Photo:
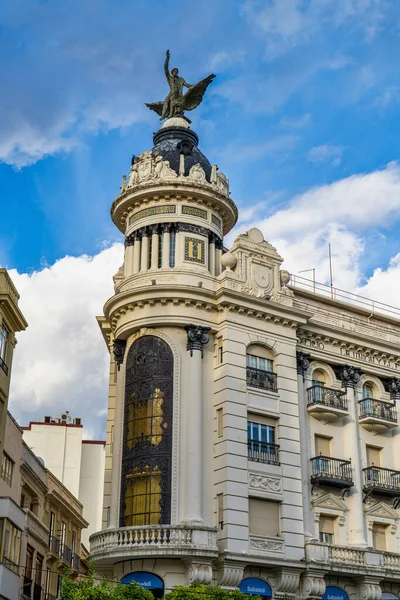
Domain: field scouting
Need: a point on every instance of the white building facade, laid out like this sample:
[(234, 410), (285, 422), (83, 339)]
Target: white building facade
[(77, 463), (252, 435)]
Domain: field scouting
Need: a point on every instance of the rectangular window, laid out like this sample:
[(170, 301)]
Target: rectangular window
[(220, 510), (73, 543), (379, 537), (373, 456), (4, 338), (52, 523), (322, 446), (27, 584), (261, 443), (47, 586), (264, 517), (160, 250), (11, 544), (257, 432), (38, 569), (63, 537), (326, 529), (7, 468), (220, 422), (257, 362), (220, 351)]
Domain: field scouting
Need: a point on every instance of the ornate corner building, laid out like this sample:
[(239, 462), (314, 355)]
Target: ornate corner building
[(252, 436)]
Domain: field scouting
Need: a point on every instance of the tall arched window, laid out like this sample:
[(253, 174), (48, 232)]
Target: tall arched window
[(147, 449)]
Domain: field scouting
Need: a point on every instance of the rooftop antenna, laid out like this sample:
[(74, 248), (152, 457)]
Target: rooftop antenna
[(330, 270), (313, 276)]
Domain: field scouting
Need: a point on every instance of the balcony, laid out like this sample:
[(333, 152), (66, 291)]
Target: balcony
[(54, 545), (333, 472), (27, 587), (377, 416), (262, 380), (76, 562), (384, 482), (263, 453), (113, 545), (326, 404)]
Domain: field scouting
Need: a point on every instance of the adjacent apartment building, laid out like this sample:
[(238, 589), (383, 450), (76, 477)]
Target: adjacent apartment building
[(253, 437), (77, 463)]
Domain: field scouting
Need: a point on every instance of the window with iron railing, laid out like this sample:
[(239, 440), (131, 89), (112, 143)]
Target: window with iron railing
[(318, 393), (259, 372), (377, 409), (261, 443)]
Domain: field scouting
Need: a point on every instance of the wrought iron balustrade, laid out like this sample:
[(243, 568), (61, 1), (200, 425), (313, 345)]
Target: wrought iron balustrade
[(76, 562), (3, 366), (54, 545), (27, 586), (331, 471), (319, 394), (380, 410), (66, 554), (382, 481), (263, 380), (263, 452)]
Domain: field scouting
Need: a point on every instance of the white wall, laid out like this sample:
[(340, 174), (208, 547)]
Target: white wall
[(91, 486)]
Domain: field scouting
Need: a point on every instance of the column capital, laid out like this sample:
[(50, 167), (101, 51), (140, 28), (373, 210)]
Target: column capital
[(137, 235), (130, 240), (154, 228), (166, 227), (119, 351), (197, 337), (349, 375), (212, 237), (303, 362), (218, 243)]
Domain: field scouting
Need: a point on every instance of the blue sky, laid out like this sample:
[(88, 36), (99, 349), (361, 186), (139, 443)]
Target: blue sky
[(303, 118)]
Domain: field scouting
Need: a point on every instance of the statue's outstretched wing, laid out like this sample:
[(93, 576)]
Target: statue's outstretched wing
[(195, 94), (156, 106)]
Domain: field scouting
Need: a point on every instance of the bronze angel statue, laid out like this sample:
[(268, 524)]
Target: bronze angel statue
[(177, 102)]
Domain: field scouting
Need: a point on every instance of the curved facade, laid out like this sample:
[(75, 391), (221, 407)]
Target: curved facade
[(237, 398)]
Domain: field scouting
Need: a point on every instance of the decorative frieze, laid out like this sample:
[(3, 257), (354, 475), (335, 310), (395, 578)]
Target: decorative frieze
[(265, 483), (266, 544), (151, 212), (194, 212)]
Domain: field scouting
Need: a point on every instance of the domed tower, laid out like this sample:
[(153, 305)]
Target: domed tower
[(176, 503)]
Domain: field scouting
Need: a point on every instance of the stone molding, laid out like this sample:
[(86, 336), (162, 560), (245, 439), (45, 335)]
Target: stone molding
[(287, 583), (230, 574), (266, 544), (312, 585)]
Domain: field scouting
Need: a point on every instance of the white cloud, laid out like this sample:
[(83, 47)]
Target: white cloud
[(326, 154), (61, 360)]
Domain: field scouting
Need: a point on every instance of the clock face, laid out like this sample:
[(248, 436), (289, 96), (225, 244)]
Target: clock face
[(262, 276)]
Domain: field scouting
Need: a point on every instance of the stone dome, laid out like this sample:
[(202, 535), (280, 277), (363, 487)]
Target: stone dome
[(171, 142)]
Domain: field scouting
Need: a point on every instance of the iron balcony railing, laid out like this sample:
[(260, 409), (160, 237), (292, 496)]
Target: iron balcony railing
[(263, 380), (383, 481), (27, 586), (54, 545), (331, 471), (76, 562), (263, 452), (66, 554), (3, 366), (380, 410), (319, 394), (37, 592)]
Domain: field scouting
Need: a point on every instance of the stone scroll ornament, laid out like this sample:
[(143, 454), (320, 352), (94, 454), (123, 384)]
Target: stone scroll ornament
[(177, 102)]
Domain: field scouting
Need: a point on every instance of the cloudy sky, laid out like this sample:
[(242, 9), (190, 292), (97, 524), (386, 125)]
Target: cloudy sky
[(303, 117)]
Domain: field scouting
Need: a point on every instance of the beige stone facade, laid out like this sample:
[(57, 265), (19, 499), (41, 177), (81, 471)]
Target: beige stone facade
[(237, 398)]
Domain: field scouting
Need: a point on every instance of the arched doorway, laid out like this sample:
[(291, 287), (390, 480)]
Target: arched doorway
[(148, 581), (147, 444)]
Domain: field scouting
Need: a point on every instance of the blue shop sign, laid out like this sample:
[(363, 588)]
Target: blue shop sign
[(255, 587), (389, 596), (334, 593), (146, 580)]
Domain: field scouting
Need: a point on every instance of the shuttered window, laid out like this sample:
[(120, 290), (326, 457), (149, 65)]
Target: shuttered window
[(373, 456), (322, 445), (326, 529), (379, 536), (264, 517)]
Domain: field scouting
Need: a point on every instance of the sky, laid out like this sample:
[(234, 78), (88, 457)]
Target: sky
[(303, 117)]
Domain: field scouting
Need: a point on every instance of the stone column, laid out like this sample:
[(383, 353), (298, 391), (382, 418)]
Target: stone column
[(128, 262), (119, 347), (218, 254), (136, 254), (166, 240), (303, 362), (154, 246), (211, 254), (144, 257), (350, 376), (197, 337)]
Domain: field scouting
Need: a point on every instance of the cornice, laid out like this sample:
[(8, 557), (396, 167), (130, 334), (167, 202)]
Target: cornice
[(14, 317), (177, 191)]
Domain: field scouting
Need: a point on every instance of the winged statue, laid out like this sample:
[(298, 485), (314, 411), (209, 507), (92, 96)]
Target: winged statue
[(177, 102)]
